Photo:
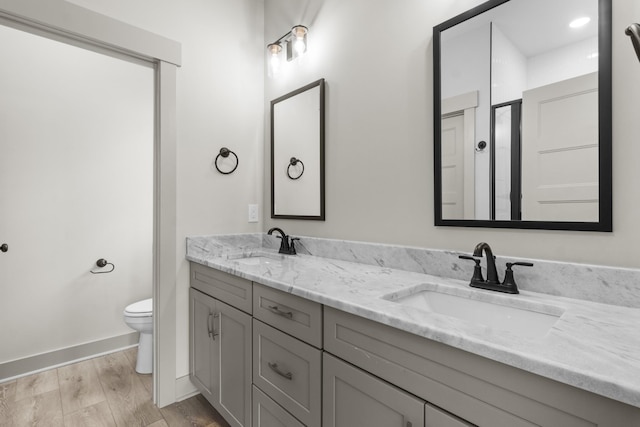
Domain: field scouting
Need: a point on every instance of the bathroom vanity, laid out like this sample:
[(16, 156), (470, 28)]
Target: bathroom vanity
[(280, 340)]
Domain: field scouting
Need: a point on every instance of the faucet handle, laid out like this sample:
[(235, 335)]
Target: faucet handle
[(509, 280), (472, 258), (523, 264), (292, 245), (477, 270)]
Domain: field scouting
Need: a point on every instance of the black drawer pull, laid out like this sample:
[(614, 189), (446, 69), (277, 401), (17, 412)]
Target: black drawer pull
[(276, 310), (274, 368)]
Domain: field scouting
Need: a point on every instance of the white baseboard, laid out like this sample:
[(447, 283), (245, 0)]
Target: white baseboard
[(185, 388), (65, 356)]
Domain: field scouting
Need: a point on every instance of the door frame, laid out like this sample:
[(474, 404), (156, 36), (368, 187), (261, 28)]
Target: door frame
[(516, 159), (73, 24)]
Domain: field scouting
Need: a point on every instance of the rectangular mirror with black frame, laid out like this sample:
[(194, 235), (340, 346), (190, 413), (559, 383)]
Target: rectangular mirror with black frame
[(297, 154), (522, 116)]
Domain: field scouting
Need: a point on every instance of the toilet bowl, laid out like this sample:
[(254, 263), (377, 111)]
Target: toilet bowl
[(139, 316)]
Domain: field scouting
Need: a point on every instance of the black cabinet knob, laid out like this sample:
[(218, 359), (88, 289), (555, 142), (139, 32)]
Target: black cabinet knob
[(4, 247)]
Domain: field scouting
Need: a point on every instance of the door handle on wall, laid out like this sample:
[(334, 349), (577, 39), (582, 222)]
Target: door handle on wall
[(4, 247)]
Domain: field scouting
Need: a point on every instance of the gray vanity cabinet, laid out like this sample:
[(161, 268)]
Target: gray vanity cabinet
[(482, 392), (270, 370), (220, 341)]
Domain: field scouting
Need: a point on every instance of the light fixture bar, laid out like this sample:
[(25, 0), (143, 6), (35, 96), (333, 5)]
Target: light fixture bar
[(287, 34), (296, 40)]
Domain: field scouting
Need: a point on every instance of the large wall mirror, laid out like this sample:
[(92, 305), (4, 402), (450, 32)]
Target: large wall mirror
[(297, 154), (522, 116)]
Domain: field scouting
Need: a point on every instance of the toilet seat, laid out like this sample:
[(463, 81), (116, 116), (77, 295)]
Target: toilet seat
[(142, 308)]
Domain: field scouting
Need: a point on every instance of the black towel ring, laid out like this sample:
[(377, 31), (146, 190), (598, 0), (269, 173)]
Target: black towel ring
[(103, 263), (294, 162), (224, 152)]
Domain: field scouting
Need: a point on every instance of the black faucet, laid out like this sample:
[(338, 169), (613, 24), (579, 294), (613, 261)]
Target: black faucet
[(287, 245), (492, 283), (492, 273)]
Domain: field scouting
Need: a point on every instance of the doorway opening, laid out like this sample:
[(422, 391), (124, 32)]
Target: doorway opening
[(81, 27)]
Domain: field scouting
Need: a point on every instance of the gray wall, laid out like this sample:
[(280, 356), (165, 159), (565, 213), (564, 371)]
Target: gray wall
[(377, 59)]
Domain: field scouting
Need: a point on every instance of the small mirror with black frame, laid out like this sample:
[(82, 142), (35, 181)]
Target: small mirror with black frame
[(522, 116), (297, 154)]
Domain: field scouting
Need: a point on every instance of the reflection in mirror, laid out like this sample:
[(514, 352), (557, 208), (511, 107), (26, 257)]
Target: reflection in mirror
[(506, 167), (297, 154), (521, 75)]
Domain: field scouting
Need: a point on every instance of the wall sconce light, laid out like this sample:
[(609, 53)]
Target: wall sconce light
[(274, 50), (296, 45)]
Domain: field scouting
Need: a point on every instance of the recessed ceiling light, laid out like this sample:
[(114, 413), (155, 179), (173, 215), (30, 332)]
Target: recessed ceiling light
[(577, 23)]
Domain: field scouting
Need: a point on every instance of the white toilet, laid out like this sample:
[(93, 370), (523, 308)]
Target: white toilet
[(139, 316)]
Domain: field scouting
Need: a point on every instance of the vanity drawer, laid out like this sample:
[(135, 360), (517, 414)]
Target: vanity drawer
[(481, 391), (288, 371), (225, 287), (291, 314), (267, 413)]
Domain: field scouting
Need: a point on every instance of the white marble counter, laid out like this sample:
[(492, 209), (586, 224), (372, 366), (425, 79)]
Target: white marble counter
[(592, 346)]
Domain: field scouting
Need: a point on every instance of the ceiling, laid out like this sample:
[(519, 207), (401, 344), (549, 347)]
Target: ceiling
[(536, 26)]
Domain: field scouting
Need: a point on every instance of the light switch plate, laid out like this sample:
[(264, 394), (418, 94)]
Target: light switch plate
[(253, 213)]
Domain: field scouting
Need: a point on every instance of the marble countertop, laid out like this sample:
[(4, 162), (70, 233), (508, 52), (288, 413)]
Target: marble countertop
[(592, 346)]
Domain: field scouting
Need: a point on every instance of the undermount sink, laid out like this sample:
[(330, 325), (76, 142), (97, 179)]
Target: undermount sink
[(506, 313), (256, 258)]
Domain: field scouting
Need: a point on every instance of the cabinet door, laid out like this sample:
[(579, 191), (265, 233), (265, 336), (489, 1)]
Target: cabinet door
[(353, 398), (220, 368), (232, 364), (201, 312)]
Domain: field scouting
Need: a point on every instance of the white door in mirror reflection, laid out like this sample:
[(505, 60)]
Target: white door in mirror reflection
[(457, 157), (453, 167), (560, 143)]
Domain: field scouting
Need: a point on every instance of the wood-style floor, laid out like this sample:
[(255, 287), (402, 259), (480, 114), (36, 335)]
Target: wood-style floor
[(105, 391)]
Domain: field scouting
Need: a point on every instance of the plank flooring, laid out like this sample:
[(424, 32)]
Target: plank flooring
[(101, 392)]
